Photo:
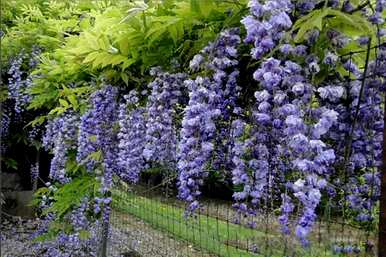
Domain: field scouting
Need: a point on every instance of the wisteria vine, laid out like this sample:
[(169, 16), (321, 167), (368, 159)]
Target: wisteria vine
[(304, 131)]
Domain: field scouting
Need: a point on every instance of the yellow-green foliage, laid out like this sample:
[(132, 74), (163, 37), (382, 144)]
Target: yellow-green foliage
[(120, 42)]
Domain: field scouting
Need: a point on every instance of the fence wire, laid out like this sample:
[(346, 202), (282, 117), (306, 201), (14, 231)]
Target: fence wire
[(150, 221)]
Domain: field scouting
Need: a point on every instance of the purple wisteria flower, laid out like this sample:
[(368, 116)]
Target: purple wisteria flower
[(97, 140), (161, 135), (265, 25), (131, 136), (59, 138), (34, 172), (208, 101), (20, 80), (285, 143)]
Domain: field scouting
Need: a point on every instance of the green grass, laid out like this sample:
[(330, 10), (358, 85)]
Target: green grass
[(208, 233)]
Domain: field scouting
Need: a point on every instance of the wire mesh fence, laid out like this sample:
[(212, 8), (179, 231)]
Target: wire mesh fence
[(150, 221)]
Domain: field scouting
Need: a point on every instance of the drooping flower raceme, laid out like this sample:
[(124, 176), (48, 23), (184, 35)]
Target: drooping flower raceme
[(196, 146), (287, 132), (97, 143), (241, 168), (131, 136), (17, 83), (161, 139), (20, 79), (97, 140), (34, 172), (4, 129), (265, 25), (59, 138), (204, 109)]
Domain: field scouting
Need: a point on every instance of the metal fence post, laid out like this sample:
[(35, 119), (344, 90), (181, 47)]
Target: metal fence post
[(105, 227), (1, 113), (105, 232), (382, 203)]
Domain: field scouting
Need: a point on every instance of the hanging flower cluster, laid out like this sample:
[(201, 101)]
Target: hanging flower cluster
[(97, 143), (34, 171), (266, 25), (96, 149), (205, 108), (78, 216), (309, 117), (161, 139), (96, 138), (4, 128), (131, 136), (16, 82), (59, 138), (19, 80), (311, 128)]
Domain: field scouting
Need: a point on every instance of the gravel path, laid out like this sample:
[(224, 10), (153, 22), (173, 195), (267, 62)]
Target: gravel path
[(145, 241), (130, 237), (16, 236)]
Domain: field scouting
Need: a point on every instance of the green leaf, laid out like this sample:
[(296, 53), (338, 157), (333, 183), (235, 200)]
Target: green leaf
[(117, 59), (57, 111), (206, 7), (103, 42), (91, 40), (195, 6), (84, 234), (311, 21), (74, 102), (173, 34), (155, 32), (97, 156), (10, 163), (64, 103), (343, 72), (71, 194), (351, 24), (304, 19), (141, 6), (37, 121), (101, 60), (84, 24), (128, 63), (125, 78), (91, 57), (93, 138), (124, 47)]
